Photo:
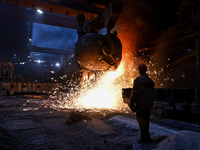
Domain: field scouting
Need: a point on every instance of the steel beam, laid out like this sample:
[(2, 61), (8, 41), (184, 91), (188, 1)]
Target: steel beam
[(28, 14), (69, 7), (48, 50)]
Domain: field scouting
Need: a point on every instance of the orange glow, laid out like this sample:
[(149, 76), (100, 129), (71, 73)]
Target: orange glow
[(107, 91), (106, 94)]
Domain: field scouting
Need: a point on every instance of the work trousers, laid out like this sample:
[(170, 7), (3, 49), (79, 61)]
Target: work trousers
[(143, 121)]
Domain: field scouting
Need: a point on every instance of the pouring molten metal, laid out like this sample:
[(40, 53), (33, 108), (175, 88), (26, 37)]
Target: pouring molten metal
[(106, 94)]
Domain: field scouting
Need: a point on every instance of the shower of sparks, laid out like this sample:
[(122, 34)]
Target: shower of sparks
[(105, 94)]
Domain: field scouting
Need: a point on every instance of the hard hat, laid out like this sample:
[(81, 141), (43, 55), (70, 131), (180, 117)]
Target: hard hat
[(142, 68)]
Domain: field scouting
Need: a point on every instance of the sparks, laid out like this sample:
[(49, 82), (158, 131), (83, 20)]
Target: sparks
[(106, 94)]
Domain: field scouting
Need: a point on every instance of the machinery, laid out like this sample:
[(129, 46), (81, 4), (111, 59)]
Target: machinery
[(12, 84), (6, 70), (171, 99), (94, 51)]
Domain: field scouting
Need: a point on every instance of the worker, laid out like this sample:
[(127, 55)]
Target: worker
[(141, 102)]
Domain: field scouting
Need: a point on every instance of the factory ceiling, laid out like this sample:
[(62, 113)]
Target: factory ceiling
[(55, 12), (63, 13)]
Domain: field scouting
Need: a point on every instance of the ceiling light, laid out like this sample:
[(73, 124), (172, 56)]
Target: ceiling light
[(39, 11), (57, 64)]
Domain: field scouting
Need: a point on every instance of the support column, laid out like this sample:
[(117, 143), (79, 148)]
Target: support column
[(197, 38)]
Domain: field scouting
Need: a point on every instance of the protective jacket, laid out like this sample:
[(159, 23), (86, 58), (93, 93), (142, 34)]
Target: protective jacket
[(143, 92)]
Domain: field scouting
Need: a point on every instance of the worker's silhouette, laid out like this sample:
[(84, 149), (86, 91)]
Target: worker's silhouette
[(142, 102)]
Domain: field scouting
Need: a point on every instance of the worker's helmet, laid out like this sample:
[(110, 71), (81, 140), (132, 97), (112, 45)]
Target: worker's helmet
[(142, 68)]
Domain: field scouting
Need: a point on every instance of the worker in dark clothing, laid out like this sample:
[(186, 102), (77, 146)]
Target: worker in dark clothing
[(142, 102)]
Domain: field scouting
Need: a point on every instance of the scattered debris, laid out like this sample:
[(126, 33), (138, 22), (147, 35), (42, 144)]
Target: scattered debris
[(99, 127), (76, 117)]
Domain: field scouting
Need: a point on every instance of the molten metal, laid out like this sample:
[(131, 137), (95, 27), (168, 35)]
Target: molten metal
[(106, 94)]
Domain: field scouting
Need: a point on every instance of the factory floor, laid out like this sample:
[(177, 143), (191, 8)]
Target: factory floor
[(25, 125)]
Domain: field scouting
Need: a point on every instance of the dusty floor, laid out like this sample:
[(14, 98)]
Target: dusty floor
[(25, 125)]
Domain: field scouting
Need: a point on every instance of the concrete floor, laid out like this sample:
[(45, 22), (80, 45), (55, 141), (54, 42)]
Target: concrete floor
[(28, 125)]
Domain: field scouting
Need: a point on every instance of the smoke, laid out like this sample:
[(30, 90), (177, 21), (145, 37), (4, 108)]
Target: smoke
[(134, 28), (53, 37), (139, 24), (135, 24)]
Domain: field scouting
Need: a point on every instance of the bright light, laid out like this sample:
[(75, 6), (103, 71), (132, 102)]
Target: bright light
[(39, 61), (30, 39), (39, 11), (22, 63), (57, 64), (98, 98), (105, 94)]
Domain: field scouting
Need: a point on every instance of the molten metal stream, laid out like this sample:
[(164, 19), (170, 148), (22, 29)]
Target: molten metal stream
[(106, 94)]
